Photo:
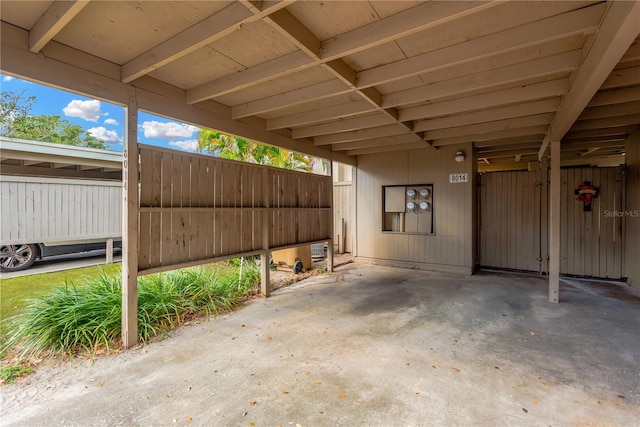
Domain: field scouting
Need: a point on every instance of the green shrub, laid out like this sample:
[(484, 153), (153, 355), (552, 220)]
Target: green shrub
[(72, 319), (9, 373)]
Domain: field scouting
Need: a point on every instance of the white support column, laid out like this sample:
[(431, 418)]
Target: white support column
[(554, 224), (109, 251), (130, 227)]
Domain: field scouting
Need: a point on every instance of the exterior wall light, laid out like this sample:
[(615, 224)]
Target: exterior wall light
[(460, 156)]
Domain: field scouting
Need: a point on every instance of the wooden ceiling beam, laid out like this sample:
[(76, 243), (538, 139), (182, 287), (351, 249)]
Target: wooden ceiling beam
[(611, 111), (496, 126), (59, 14), (489, 136), (511, 74), (402, 24), (609, 131), (581, 21), (283, 65), (608, 122), (503, 143), (617, 32), (289, 99), (357, 135), (320, 115), (615, 96), (375, 142), (204, 32), (342, 126), (388, 148), (488, 115), (534, 92), (622, 78)]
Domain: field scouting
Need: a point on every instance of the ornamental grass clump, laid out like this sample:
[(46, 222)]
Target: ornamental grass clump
[(73, 319)]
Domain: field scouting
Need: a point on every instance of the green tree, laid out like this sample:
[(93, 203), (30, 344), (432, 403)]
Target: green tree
[(17, 122), (236, 148)]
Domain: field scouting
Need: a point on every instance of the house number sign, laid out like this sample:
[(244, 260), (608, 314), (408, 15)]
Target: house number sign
[(455, 178)]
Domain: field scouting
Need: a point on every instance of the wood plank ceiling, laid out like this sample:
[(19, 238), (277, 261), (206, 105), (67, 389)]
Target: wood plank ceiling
[(346, 78)]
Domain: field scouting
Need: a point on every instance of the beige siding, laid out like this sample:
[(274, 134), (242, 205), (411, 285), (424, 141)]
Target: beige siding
[(37, 210), (196, 209), (510, 220), (450, 248), (632, 210), (342, 213)]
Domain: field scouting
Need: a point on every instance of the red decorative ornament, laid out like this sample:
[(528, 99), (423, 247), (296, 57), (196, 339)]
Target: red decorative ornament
[(586, 193)]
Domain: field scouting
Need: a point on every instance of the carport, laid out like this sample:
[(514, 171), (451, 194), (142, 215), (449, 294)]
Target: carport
[(418, 96)]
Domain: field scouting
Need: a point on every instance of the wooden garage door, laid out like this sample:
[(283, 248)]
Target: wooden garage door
[(513, 222), (510, 220)]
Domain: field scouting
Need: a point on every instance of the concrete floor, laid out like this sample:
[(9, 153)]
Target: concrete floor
[(370, 346)]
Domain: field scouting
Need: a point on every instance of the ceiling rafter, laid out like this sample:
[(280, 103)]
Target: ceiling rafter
[(511, 74), (298, 34), (386, 148), (374, 142), (290, 99), (534, 92), (59, 14), (402, 24), (495, 126), (345, 125), (204, 32), (582, 21), (489, 136), (617, 32), (356, 135), (488, 115)]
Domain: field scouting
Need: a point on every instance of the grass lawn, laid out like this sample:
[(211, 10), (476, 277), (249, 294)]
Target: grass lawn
[(15, 293)]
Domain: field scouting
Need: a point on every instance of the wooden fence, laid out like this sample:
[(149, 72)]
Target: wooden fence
[(195, 209)]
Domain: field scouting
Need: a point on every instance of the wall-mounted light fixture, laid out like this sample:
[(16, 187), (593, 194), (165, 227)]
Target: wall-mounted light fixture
[(460, 156)]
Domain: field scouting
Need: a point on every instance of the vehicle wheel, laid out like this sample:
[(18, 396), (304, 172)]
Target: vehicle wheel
[(297, 267), (17, 257)]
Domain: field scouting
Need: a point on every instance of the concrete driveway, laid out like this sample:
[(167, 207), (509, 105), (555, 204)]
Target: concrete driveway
[(369, 346)]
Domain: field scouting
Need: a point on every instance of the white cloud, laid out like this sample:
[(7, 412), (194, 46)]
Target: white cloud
[(168, 131), (108, 136), (113, 122), (187, 145), (88, 110), (7, 78)]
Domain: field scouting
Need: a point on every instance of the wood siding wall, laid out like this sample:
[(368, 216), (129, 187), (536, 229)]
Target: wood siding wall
[(513, 224), (631, 216), (38, 210), (450, 248), (196, 209), (510, 220), (342, 193)]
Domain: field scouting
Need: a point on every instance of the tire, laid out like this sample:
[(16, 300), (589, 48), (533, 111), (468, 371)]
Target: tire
[(297, 267), (17, 257)]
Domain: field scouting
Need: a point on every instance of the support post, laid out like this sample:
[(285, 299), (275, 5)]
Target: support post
[(554, 224), (109, 251), (265, 281), (130, 227), (331, 225)]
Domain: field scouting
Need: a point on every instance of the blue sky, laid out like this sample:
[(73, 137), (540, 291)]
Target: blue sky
[(103, 120)]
